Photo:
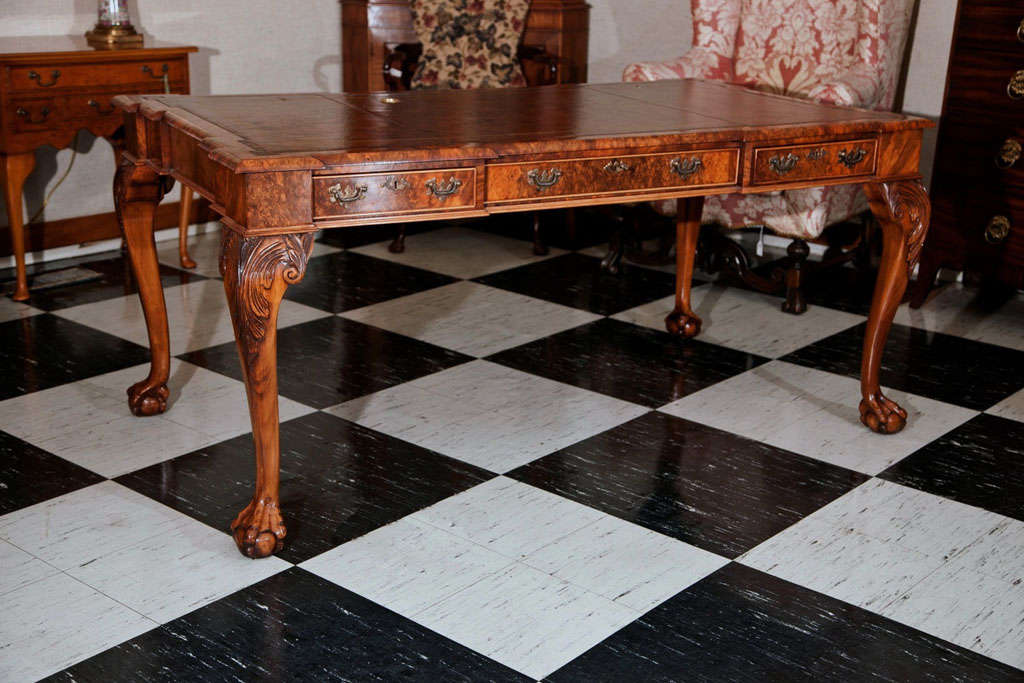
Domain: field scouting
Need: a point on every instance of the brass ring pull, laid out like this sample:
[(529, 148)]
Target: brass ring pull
[(617, 166), (346, 195), (998, 229), (542, 180), (54, 75), (783, 165), (43, 113), (1008, 153), (851, 159), (685, 169), (1015, 88), (1020, 31), (445, 190), (395, 183), (96, 105)]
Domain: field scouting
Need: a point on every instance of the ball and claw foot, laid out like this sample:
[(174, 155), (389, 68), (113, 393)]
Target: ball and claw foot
[(882, 415), (259, 530), (144, 399), (682, 324)]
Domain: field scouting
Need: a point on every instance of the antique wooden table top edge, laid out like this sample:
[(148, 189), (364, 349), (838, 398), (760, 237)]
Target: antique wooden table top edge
[(55, 49)]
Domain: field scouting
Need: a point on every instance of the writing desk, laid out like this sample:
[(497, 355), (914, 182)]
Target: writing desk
[(278, 167)]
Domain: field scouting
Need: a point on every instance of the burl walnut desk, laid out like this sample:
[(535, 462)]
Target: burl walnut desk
[(278, 167)]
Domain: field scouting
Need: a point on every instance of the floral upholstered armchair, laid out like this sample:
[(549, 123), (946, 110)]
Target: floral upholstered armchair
[(846, 52)]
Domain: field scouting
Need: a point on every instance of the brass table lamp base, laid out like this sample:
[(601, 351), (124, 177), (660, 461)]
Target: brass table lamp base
[(113, 37)]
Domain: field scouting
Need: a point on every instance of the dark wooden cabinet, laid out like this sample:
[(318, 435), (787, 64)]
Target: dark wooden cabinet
[(978, 183)]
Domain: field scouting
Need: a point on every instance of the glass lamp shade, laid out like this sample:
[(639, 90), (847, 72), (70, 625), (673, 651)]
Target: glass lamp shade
[(113, 28)]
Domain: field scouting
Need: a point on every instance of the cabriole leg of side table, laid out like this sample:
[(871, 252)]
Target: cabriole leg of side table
[(14, 169), (138, 190), (257, 271), (682, 320), (903, 210)]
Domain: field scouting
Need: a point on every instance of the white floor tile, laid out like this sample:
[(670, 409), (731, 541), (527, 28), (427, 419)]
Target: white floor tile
[(58, 621), (490, 416), (1011, 407), (205, 251), (197, 316), (747, 321), (13, 310), (461, 252), (999, 553), (953, 311), (18, 568), (815, 413), (471, 318)]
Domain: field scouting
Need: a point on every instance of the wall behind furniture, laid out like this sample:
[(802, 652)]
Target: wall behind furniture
[(271, 46)]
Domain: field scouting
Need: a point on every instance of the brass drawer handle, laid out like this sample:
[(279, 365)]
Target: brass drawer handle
[(395, 183), (444, 190), (617, 166), (685, 169), (783, 165), (998, 229), (350, 193), (147, 69), (542, 180), (1015, 88), (54, 75), (1020, 31), (96, 105), (1008, 153), (851, 159), (43, 113)]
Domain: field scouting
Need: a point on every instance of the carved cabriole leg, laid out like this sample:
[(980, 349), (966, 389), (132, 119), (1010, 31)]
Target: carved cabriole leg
[(257, 271), (184, 218), (682, 320), (138, 190), (14, 169), (903, 210)]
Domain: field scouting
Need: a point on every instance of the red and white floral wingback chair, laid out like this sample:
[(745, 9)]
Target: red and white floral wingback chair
[(846, 52)]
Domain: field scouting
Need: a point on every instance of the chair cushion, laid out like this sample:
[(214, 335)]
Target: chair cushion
[(469, 43)]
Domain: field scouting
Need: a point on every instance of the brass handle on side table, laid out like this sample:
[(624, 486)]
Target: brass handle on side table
[(1015, 88), (350, 193), (96, 105), (1008, 153), (444, 190), (43, 113), (542, 180), (851, 159), (998, 229), (617, 166), (54, 75), (783, 165), (163, 75), (685, 169)]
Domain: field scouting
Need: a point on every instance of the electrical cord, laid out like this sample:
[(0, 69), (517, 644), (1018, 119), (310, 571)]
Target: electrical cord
[(71, 163)]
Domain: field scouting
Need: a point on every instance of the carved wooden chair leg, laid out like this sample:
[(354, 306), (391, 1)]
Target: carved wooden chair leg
[(184, 219), (138, 190), (257, 271), (682, 320), (14, 169), (798, 252), (397, 245), (903, 210), (539, 248)]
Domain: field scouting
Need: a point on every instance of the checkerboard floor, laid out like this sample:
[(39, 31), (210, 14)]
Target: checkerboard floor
[(498, 466)]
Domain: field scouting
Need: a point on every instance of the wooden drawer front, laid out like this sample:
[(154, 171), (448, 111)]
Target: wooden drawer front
[(991, 25), (36, 113), (987, 82), (777, 165), (611, 175), (40, 79), (394, 193), (976, 153)]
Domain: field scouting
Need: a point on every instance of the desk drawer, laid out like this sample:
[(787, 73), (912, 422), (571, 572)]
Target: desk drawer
[(42, 79), (612, 175), (775, 165), (36, 113), (394, 193)]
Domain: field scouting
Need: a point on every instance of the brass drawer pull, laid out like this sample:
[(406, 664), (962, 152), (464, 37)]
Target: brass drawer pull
[(617, 166), (998, 229), (444, 190), (349, 194), (96, 105), (685, 169), (395, 183), (783, 165), (851, 159), (1020, 31), (1015, 88), (1008, 153), (147, 69), (54, 75), (542, 180), (43, 113)]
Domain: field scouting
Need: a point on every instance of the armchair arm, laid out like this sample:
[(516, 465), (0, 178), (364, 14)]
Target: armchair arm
[(858, 86), (699, 62)]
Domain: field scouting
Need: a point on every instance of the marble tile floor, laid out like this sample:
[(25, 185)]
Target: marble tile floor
[(498, 466)]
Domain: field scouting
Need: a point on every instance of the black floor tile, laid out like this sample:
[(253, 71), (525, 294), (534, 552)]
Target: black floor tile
[(331, 360), (627, 361), (577, 280), (43, 351), (338, 481), (709, 488), (557, 228), (740, 624), (978, 463), (952, 369), (30, 475), (293, 626), (345, 280), (350, 238)]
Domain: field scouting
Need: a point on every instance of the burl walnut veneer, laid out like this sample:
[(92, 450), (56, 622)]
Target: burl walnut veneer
[(279, 167)]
